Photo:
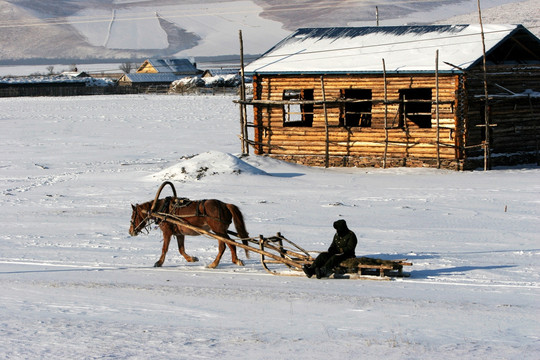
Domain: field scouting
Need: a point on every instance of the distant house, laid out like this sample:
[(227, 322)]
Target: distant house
[(145, 79), (220, 72), (168, 66), (159, 72), (399, 96), (76, 74), (65, 84)]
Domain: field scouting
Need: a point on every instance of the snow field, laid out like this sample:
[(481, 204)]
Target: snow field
[(76, 285)]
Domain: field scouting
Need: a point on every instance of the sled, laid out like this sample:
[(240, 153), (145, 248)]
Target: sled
[(364, 266), (278, 251)]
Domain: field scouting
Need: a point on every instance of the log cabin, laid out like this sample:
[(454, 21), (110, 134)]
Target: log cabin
[(399, 96)]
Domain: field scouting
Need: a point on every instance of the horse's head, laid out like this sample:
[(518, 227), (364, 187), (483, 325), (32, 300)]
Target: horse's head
[(139, 220)]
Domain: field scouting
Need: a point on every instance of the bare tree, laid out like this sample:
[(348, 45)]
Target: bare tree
[(126, 67), (50, 69)]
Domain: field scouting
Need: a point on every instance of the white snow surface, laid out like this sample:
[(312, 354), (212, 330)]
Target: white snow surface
[(216, 23), (75, 285), (209, 163)]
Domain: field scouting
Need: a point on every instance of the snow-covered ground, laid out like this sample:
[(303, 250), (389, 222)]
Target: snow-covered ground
[(525, 12), (75, 285), (215, 23)]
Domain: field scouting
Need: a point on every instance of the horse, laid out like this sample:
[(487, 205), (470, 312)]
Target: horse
[(210, 215)]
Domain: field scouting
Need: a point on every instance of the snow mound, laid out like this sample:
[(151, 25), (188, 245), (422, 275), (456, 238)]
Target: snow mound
[(206, 164)]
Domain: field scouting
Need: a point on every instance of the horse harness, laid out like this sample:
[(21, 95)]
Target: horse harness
[(170, 204)]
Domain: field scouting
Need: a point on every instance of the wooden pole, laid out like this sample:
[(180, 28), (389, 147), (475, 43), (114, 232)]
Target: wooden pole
[(535, 130), (377, 14), (327, 142), (487, 154), (437, 107), (385, 114), (243, 112)]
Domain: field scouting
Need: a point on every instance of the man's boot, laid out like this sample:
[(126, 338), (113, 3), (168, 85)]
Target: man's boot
[(308, 270), (321, 272)]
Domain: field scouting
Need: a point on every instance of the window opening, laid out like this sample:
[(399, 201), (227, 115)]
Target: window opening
[(297, 114), (356, 113), (415, 107)]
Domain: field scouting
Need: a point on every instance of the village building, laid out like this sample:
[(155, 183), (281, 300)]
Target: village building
[(399, 96), (168, 66), (76, 74), (159, 72), (65, 84), (220, 72)]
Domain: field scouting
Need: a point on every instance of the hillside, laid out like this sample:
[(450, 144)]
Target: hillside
[(135, 29), (526, 13)]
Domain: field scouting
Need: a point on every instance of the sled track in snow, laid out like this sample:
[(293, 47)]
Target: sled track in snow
[(46, 265)]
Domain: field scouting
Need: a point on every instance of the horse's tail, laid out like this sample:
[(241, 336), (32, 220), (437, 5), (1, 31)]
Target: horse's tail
[(239, 224)]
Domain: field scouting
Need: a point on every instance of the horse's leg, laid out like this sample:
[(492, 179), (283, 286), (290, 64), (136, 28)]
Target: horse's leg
[(180, 239), (232, 247), (167, 233), (221, 250), (234, 257)]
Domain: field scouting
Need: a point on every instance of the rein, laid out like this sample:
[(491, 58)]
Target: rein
[(137, 229)]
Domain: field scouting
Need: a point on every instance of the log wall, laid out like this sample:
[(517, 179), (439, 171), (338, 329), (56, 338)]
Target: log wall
[(514, 113), (327, 141)]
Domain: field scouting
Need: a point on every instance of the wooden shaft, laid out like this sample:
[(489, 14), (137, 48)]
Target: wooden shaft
[(180, 222)]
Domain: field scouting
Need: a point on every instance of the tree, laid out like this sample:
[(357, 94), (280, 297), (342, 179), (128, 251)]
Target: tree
[(126, 67), (50, 69)]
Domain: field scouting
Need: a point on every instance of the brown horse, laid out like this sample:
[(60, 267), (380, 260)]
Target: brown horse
[(210, 215)]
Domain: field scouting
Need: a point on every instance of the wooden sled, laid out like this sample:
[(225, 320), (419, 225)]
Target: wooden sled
[(361, 267)]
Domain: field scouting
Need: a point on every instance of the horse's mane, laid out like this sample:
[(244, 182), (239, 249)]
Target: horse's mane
[(146, 205)]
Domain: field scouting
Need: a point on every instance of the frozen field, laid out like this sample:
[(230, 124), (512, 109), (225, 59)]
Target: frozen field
[(75, 285)]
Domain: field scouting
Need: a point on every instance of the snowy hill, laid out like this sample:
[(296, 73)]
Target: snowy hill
[(210, 163), (135, 29)]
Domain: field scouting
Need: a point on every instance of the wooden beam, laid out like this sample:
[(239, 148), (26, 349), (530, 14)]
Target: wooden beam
[(243, 115), (437, 107), (385, 114), (326, 161), (487, 154)]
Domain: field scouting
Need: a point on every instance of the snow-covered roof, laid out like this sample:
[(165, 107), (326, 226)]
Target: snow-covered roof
[(53, 79), (152, 77), (76, 74), (178, 66), (362, 49), (221, 71)]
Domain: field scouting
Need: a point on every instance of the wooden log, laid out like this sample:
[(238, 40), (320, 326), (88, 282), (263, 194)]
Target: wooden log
[(372, 150)]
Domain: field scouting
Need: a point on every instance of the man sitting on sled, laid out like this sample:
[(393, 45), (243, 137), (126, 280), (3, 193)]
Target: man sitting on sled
[(342, 248)]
